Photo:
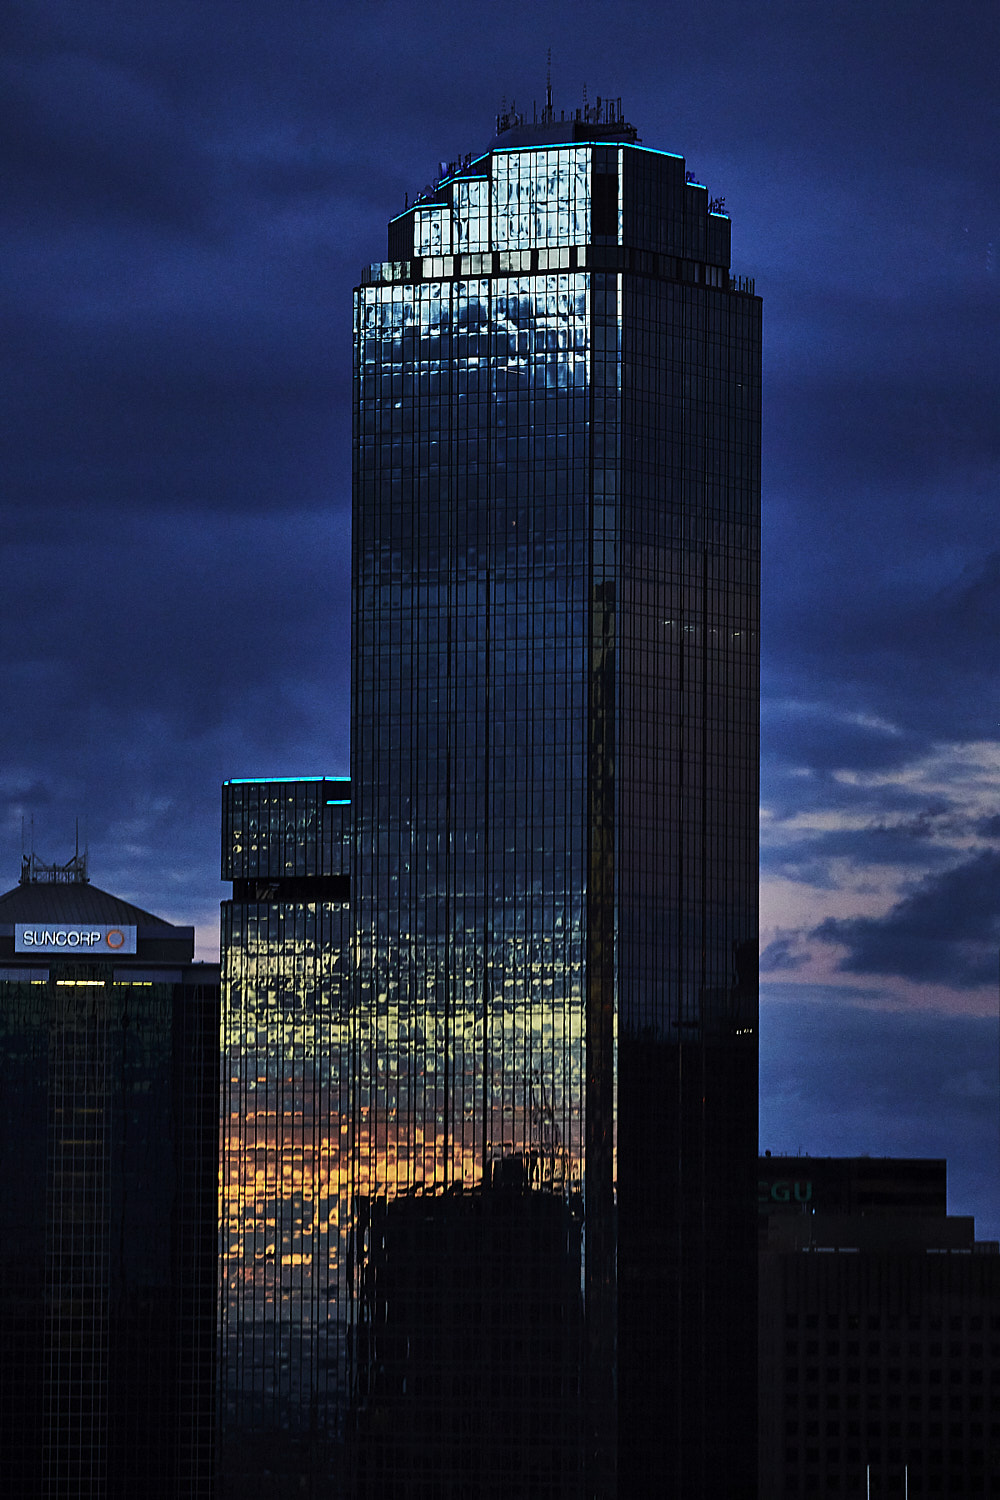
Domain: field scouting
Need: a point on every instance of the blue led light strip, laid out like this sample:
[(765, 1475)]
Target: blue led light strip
[(268, 780)]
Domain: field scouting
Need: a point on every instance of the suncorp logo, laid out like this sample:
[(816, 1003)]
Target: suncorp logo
[(100, 937), (62, 937)]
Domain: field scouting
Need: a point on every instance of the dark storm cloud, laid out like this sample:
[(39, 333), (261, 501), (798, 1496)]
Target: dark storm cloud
[(89, 138), (811, 858), (877, 427), (840, 1076), (182, 613), (810, 734), (881, 443), (804, 787), (148, 660), (175, 465), (945, 931), (921, 652), (791, 786), (169, 341), (783, 955), (147, 419)]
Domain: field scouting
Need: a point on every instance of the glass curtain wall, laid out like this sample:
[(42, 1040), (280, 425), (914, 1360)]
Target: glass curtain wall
[(555, 775), (285, 1093)]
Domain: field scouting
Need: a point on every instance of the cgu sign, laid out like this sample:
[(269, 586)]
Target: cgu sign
[(783, 1190)]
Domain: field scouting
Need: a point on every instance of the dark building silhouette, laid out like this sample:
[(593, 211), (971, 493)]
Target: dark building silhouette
[(471, 1344), (108, 1193), (879, 1333), (554, 772)]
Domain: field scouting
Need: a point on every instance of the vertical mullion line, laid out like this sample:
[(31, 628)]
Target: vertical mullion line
[(681, 763), (485, 510), (446, 475)]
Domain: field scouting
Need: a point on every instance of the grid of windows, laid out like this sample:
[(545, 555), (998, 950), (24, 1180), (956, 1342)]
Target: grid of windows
[(555, 774), (108, 1181), (883, 1374), (541, 197), (285, 830), (471, 215), (285, 1116)]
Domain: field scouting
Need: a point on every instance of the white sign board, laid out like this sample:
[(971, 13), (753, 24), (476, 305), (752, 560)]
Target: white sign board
[(86, 939)]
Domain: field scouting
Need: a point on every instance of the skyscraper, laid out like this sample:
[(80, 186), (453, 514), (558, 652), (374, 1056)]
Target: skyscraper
[(284, 1307), (554, 774), (490, 1015)]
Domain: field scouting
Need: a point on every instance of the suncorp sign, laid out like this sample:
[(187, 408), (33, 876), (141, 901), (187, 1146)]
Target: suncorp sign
[(94, 939)]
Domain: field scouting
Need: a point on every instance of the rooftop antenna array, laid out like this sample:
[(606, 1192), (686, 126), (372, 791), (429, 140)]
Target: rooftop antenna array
[(508, 118), (602, 112), (35, 871)]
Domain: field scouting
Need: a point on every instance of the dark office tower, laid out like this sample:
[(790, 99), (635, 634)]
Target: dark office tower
[(879, 1334), (109, 1037), (285, 941), (555, 760)]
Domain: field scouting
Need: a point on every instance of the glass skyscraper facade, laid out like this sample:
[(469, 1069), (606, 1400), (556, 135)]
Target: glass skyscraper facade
[(555, 783), (490, 1011), (285, 1112)]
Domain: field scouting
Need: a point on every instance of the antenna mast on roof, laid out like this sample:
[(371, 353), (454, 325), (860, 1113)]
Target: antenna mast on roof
[(35, 871)]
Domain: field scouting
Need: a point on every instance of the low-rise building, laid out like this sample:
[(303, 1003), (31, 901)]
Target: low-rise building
[(879, 1333), (109, 1038)]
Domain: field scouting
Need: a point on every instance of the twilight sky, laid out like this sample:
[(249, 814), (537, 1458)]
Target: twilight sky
[(191, 190)]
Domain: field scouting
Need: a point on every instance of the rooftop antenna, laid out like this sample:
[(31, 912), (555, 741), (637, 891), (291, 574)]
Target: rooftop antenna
[(27, 860), (548, 84)]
